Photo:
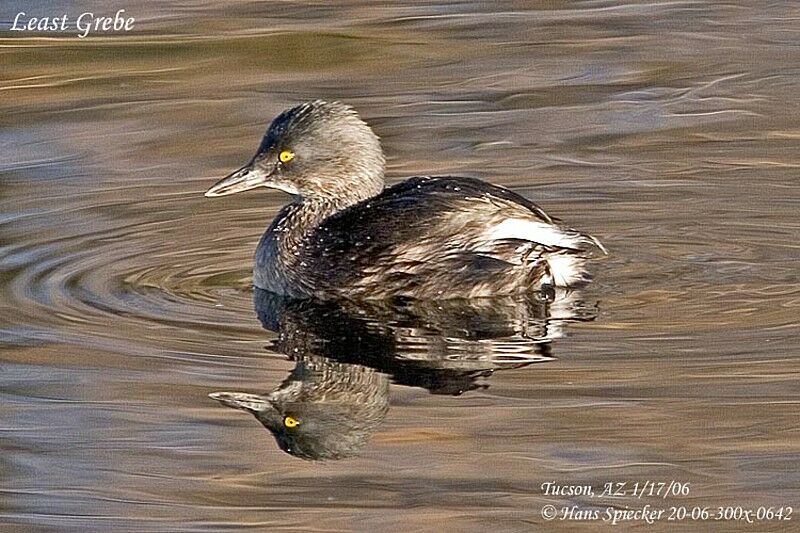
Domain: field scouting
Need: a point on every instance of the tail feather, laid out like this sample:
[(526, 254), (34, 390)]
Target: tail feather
[(596, 242)]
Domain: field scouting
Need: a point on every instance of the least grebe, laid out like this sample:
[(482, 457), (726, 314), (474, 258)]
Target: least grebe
[(344, 235)]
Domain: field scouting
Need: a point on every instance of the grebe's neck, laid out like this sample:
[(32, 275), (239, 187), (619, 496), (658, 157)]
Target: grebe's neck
[(305, 214), (329, 191), (278, 262)]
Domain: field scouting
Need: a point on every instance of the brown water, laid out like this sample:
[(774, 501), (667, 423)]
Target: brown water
[(668, 129)]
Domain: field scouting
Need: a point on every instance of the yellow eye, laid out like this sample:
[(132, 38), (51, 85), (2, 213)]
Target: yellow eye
[(290, 422), (286, 156)]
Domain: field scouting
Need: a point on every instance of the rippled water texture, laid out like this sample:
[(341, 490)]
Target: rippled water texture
[(670, 130)]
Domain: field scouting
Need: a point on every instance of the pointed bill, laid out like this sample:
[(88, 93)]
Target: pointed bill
[(241, 400), (246, 178)]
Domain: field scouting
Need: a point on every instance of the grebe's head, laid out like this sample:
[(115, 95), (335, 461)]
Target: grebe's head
[(317, 150)]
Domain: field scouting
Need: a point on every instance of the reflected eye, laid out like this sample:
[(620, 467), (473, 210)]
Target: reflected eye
[(290, 422), (286, 156)]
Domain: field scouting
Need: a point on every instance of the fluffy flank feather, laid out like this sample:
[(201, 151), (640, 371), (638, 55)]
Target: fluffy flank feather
[(567, 269)]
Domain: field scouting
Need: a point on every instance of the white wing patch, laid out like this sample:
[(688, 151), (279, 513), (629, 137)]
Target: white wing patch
[(566, 268), (530, 230)]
